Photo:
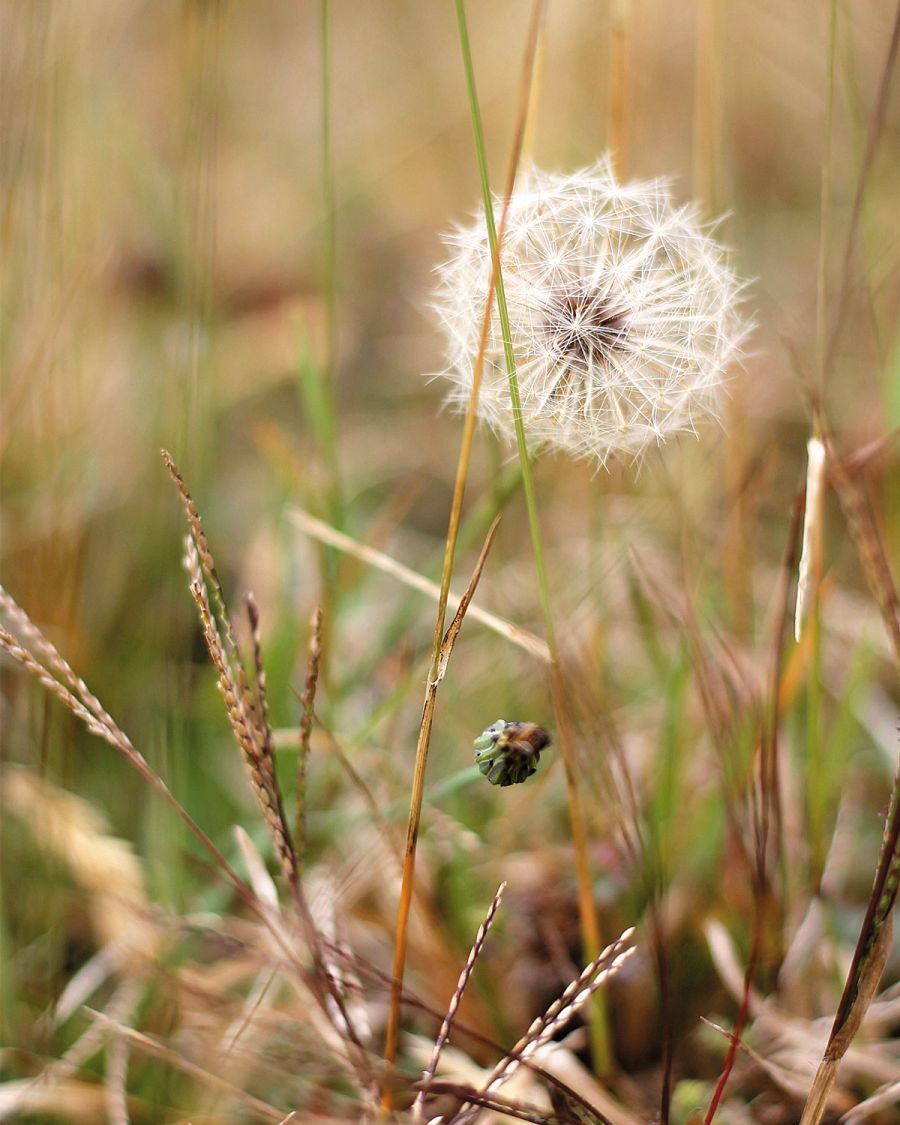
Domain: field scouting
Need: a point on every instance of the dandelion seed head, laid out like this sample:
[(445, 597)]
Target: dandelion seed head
[(624, 314)]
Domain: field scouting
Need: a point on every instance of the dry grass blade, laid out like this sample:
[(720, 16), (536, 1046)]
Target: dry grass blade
[(37, 1094), (444, 1033), (770, 827), (105, 867), (882, 1099), (177, 1059), (325, 533), (876, 127)]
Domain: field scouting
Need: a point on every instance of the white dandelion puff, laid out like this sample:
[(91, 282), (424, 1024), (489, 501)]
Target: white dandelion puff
[(624, 314)]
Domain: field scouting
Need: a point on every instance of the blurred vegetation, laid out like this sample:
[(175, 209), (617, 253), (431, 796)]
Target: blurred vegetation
[(167, 281)]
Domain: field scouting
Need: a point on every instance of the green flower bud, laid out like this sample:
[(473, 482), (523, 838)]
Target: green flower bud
[(508, 753)]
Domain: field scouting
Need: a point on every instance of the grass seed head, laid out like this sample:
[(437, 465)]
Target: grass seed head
[(624, 314)]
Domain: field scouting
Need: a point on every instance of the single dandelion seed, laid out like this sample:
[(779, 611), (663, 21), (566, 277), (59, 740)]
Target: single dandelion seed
[(624, 314), (508, 753)]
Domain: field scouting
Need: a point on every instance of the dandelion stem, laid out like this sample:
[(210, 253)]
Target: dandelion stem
[(462, 470), (589, 923)]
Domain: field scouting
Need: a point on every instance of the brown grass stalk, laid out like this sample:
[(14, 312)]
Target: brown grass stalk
[(409, 852)]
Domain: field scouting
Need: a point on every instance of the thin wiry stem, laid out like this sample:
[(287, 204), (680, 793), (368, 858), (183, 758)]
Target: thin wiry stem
[(308, 704), (742, 1016), (462, 471), (590, 927), (770, 838), (322, 531)]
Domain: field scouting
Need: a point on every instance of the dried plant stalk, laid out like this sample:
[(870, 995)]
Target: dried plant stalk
[(439, 665), (322, 531)]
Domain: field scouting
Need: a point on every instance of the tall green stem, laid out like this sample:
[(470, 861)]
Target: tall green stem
[(590, 929)]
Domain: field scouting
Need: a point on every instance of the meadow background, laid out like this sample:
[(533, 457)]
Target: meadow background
[(193, 259)]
